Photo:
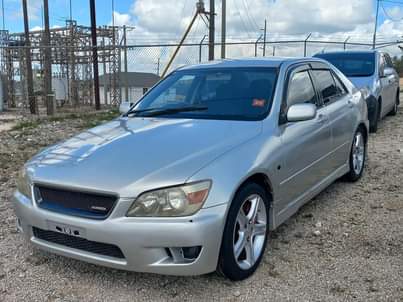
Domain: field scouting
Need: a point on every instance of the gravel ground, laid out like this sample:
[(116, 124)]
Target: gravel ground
[(345, 245)]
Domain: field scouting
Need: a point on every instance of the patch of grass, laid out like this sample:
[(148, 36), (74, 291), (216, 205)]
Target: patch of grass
[(25, 125), (99, 118)]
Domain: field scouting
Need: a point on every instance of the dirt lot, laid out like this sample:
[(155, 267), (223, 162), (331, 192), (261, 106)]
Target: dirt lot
[(357, 255)]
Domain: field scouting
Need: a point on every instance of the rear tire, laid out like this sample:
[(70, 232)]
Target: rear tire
[(245, 233), (395, 106), (358, 155)]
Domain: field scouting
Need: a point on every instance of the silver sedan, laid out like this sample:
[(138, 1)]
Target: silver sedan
[(194, 176)]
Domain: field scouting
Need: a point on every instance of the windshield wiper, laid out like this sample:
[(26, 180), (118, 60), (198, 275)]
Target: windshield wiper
[(162, 111)]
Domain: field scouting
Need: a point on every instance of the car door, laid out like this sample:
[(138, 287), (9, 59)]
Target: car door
[(393, 80), (337, 101), (305, 144), (386, 87)]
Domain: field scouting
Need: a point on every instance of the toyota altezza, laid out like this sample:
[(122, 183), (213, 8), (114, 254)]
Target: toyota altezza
[(193, 177)]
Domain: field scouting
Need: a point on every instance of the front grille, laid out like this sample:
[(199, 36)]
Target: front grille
[(79, 243), (88, 205)]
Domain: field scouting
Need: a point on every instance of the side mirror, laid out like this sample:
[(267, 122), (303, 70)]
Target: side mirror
[(388, 72), (301, 112), (124, 107)]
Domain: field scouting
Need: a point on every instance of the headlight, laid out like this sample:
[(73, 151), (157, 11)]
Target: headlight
[(23, 183), (171, 202)]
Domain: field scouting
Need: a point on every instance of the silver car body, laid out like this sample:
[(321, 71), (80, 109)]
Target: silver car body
[(128, 156)]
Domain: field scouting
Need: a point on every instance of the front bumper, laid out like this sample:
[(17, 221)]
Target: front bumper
[(143, 241)]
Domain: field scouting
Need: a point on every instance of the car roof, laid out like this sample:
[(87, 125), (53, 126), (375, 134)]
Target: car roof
[(274, 62), (347, 52)]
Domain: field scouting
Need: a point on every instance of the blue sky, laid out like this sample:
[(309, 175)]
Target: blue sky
[(59, 11)]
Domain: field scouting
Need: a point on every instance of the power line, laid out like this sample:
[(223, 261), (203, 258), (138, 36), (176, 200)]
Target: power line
[(247, 31), (251, 20)]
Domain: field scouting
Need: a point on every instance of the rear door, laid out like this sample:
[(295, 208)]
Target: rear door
[(336, 99), (393, 80), (306, 144), (386, 87)]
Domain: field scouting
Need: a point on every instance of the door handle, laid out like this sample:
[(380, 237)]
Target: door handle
[(350, 104), (322, 119)]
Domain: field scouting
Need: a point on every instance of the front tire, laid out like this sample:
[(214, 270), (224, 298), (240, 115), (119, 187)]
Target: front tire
[(358, 156), (245, 233)]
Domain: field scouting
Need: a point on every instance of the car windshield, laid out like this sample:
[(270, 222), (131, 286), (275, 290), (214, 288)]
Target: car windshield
[(352, 64), (231, 93)]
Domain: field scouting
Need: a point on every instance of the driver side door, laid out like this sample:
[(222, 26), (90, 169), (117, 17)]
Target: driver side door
[(305, 145)]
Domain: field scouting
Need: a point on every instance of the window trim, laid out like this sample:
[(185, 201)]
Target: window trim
[(334, 98), (293, 69)]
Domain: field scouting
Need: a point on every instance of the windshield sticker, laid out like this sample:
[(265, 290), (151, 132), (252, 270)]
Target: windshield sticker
[(258, 102)]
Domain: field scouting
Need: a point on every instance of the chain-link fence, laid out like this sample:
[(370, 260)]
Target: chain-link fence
[(126, 73)]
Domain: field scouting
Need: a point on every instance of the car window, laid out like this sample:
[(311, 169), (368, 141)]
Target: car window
[(388, 60), (300, 89), (326, 85), (341, 89)]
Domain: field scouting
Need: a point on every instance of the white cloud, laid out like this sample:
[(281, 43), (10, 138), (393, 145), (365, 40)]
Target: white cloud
[(328, 20), (121, 19)]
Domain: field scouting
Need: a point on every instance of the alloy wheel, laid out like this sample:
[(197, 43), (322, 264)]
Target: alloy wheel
[(250, 231), (358, 153)]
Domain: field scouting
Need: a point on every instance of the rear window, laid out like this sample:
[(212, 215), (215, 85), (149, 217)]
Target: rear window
[(352, 64)]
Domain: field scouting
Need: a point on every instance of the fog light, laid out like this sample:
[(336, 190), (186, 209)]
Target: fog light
[(192, 252)]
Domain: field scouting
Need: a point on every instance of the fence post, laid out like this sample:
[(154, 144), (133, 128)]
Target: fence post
[(345, 42), (256, 43), (200, 47), (305, 42)]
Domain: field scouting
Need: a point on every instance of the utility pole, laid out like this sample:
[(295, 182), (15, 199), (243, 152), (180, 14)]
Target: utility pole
[(71, 11), (50, 110), (95, 54), (223, 27), (211, 30), (30, 85), (125, 63), (158, 66), (264, 37), (376, 24), (4, 17), (199, 10), (305, 44)]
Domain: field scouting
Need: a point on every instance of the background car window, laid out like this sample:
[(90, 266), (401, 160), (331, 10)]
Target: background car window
[(326, 85), (300, 89), (341, 89), (351, 64), (388, 61)]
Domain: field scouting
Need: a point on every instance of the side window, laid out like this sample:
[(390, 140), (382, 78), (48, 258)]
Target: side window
[(300, 89), (382, 64), (326, 85), (341, 89), (388, 60)]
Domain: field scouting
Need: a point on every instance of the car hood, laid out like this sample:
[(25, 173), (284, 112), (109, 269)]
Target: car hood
[(131, 155), (363, 82)]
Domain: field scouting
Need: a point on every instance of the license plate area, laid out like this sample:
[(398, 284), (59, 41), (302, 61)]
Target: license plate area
[(66, 229)]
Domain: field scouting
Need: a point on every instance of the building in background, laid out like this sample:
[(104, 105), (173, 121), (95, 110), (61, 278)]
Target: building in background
[(138, 83)]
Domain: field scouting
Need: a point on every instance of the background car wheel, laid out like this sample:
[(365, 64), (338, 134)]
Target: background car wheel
[(395, 106), (373, 127), (358, 156), (245, 233)]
